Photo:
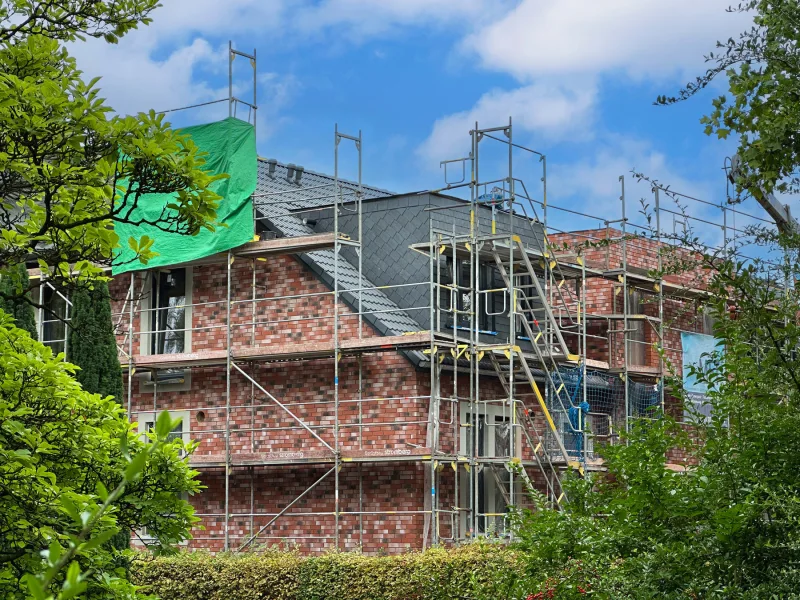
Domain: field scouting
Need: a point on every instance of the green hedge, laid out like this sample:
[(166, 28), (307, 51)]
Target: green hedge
[(476, 571)]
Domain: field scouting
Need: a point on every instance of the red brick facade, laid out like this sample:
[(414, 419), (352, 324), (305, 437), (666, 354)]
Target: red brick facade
[(383, 417), (389, 420)]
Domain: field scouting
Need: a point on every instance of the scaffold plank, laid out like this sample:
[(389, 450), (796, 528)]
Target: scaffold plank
[(283, 351), (271, 247), (302, 457)]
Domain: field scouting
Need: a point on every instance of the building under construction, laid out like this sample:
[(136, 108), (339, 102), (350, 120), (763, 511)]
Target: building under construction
[(363, 369), (384, 371)]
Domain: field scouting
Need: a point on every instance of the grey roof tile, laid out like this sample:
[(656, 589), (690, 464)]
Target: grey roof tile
[(278, 199)]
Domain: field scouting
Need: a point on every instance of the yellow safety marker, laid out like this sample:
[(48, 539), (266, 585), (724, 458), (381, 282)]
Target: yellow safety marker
[(480, 355), (657, 287), (579, 314), (538, 447), (558, 391), (262, 259), (232, 258), (516, 238), (442, 248), (347, 459), (471, 220), (454, 465), (552, 264), (441, 358), (621, 278), (573, 357), (507, 354), (561, 283), (560, 498), (494, 227), (580, 260), (538, 335), (466, 466), (617, 291), (543, 406), (256, 238)]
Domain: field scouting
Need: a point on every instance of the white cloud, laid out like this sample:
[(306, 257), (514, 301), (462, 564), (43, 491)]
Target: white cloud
[(591, 186), (133, 80), (551, 110), (644, 38), (368, 18)]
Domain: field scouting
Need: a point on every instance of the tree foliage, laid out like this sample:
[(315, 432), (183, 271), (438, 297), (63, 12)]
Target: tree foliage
[(763, 108), (69, 168), (728, 526), (92, 343), (67, 20), (14, 283), (73, 473)]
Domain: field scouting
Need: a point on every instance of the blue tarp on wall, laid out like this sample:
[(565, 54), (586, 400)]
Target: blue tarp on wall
[(695, 345)]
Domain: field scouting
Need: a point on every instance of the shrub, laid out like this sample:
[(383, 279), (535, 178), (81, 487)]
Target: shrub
[(475, 571)]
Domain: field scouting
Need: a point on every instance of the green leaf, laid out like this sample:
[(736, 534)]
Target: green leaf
[(136, 466), (164, 425)]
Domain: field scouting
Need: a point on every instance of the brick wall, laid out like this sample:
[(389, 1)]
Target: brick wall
[(387, 417), (605, 297)]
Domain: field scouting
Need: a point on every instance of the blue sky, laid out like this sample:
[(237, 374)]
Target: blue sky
[(578, 77)]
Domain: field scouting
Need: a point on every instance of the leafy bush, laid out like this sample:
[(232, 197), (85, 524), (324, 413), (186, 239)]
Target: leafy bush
[(73, 472), (475, 571)]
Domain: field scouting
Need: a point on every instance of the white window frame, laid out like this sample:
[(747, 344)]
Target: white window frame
[(492, 495), (143, 418), (146, 337), (43, 316)]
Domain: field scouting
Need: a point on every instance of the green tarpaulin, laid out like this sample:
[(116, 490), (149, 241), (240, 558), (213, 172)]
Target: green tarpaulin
[(231, 147)]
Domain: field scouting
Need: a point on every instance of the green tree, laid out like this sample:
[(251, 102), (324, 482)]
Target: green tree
[(92, 347), (14, 283), (69, 168), (763, 107), (69, 171), (92, 344), (60, 454)]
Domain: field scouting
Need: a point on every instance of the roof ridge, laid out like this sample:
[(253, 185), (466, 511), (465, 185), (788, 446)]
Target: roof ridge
[(326, 176)]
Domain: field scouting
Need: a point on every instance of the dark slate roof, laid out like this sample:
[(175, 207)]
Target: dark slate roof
[(314, 189), (278, 212)]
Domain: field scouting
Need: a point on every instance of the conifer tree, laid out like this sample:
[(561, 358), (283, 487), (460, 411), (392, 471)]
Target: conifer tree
[(92, 344), (13, 282)]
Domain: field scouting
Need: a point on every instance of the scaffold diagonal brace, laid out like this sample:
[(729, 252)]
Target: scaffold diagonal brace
[(285, 408)]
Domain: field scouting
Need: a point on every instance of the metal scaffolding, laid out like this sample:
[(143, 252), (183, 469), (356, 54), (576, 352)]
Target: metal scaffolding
[(533, 404)]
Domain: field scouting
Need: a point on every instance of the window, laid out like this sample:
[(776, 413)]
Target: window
[(460, 299), (494, 441), (708, 321), (168, 314), (147, 422), (636, 335), (53, 317), (529, 306)]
